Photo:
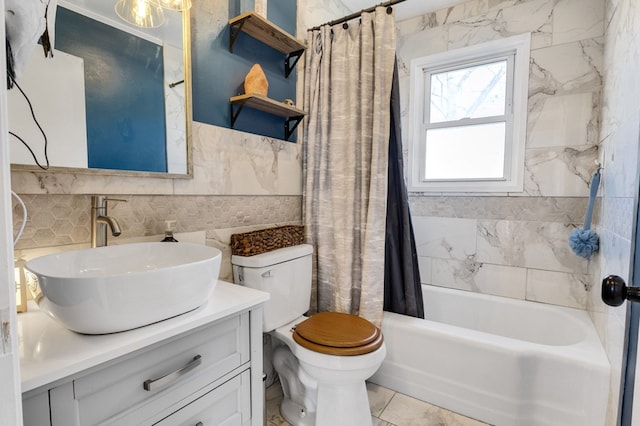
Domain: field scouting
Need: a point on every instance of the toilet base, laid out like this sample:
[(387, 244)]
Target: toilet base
[(340, 413), (343, 405), (299, 403), (296, 414), (311, 402)]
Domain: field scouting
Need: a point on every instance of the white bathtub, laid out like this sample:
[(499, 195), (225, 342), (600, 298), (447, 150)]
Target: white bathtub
[(498, 360)]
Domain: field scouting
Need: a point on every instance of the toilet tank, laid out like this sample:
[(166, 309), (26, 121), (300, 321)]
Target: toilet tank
[(285, 274)]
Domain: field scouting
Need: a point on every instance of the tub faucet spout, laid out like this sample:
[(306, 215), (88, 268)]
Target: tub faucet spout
[(100, 221)]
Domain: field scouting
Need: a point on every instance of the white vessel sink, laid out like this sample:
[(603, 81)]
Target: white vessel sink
[(116, 288)]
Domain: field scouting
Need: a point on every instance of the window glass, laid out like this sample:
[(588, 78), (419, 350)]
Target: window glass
[(473, 92), (466, 152)]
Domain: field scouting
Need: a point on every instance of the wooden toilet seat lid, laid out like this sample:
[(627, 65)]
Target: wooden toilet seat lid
[(336, 333)]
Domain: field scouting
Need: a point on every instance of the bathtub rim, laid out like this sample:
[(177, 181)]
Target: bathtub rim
[(590, 345), (402, 372)]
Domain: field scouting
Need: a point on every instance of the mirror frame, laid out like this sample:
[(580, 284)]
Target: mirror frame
[(186, 55)]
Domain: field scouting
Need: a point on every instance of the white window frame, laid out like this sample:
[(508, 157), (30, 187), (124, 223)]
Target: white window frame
[(517, 96)]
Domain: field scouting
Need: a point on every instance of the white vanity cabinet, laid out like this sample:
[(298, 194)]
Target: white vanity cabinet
[(35, 409), (153, 384), (226, 405), (210, 374)]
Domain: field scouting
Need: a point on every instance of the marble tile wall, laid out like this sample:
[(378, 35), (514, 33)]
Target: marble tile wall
[(620, 135), (225, 162), (506, 246), (175, 111), (515, 244)]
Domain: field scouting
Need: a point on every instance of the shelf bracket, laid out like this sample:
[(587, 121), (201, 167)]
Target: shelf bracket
[(291, 61), (234, 115), (234, 31), (288, 128)]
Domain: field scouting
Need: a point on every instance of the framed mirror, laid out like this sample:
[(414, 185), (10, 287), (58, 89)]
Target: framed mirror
[(115, 99)]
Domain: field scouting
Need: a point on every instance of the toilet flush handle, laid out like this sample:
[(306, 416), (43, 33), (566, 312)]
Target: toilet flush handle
[(267, 274)]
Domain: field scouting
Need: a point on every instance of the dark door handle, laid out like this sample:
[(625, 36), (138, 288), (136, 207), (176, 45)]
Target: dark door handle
[(615, 291)]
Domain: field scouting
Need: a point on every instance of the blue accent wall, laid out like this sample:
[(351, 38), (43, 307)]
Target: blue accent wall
[(124, 93), (219, 74), (283, 14)]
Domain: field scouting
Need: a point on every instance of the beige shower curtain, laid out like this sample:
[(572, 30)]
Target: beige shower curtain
[(348, 76)]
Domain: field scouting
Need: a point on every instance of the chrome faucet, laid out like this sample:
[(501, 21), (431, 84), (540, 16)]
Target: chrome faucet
[(100, 220)]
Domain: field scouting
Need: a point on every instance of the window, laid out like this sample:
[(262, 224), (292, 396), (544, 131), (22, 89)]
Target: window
[(468, 118)]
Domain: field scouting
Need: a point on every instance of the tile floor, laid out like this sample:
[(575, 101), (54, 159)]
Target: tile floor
[(388, 408)]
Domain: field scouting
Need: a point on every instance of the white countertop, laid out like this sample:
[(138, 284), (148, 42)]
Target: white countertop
[(50, 352)]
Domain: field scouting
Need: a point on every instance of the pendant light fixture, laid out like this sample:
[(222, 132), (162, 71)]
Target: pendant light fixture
[(141, 13)]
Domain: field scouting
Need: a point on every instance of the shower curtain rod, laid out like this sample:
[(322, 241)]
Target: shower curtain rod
[(357, 14)]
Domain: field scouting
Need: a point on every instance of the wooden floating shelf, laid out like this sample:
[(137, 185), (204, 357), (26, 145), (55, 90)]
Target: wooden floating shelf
[(269, 105), (268, 33), (292, 114)]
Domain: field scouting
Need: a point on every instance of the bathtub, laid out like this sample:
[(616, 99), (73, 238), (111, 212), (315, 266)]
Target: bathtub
[(498, 360)]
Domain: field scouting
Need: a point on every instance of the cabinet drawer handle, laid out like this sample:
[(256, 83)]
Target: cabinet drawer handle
[(153, 384)]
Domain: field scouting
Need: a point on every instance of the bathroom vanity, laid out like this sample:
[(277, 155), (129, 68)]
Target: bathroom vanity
[(202, 368)]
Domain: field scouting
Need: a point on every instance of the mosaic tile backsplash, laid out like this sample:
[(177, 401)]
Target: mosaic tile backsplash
[(65, 219), (62, 222)]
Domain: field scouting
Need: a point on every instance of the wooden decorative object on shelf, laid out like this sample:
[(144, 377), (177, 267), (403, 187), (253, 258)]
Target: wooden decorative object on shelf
[(255, 83)]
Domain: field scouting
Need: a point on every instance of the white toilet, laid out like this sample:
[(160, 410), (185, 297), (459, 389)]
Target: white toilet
[(325, 361)]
